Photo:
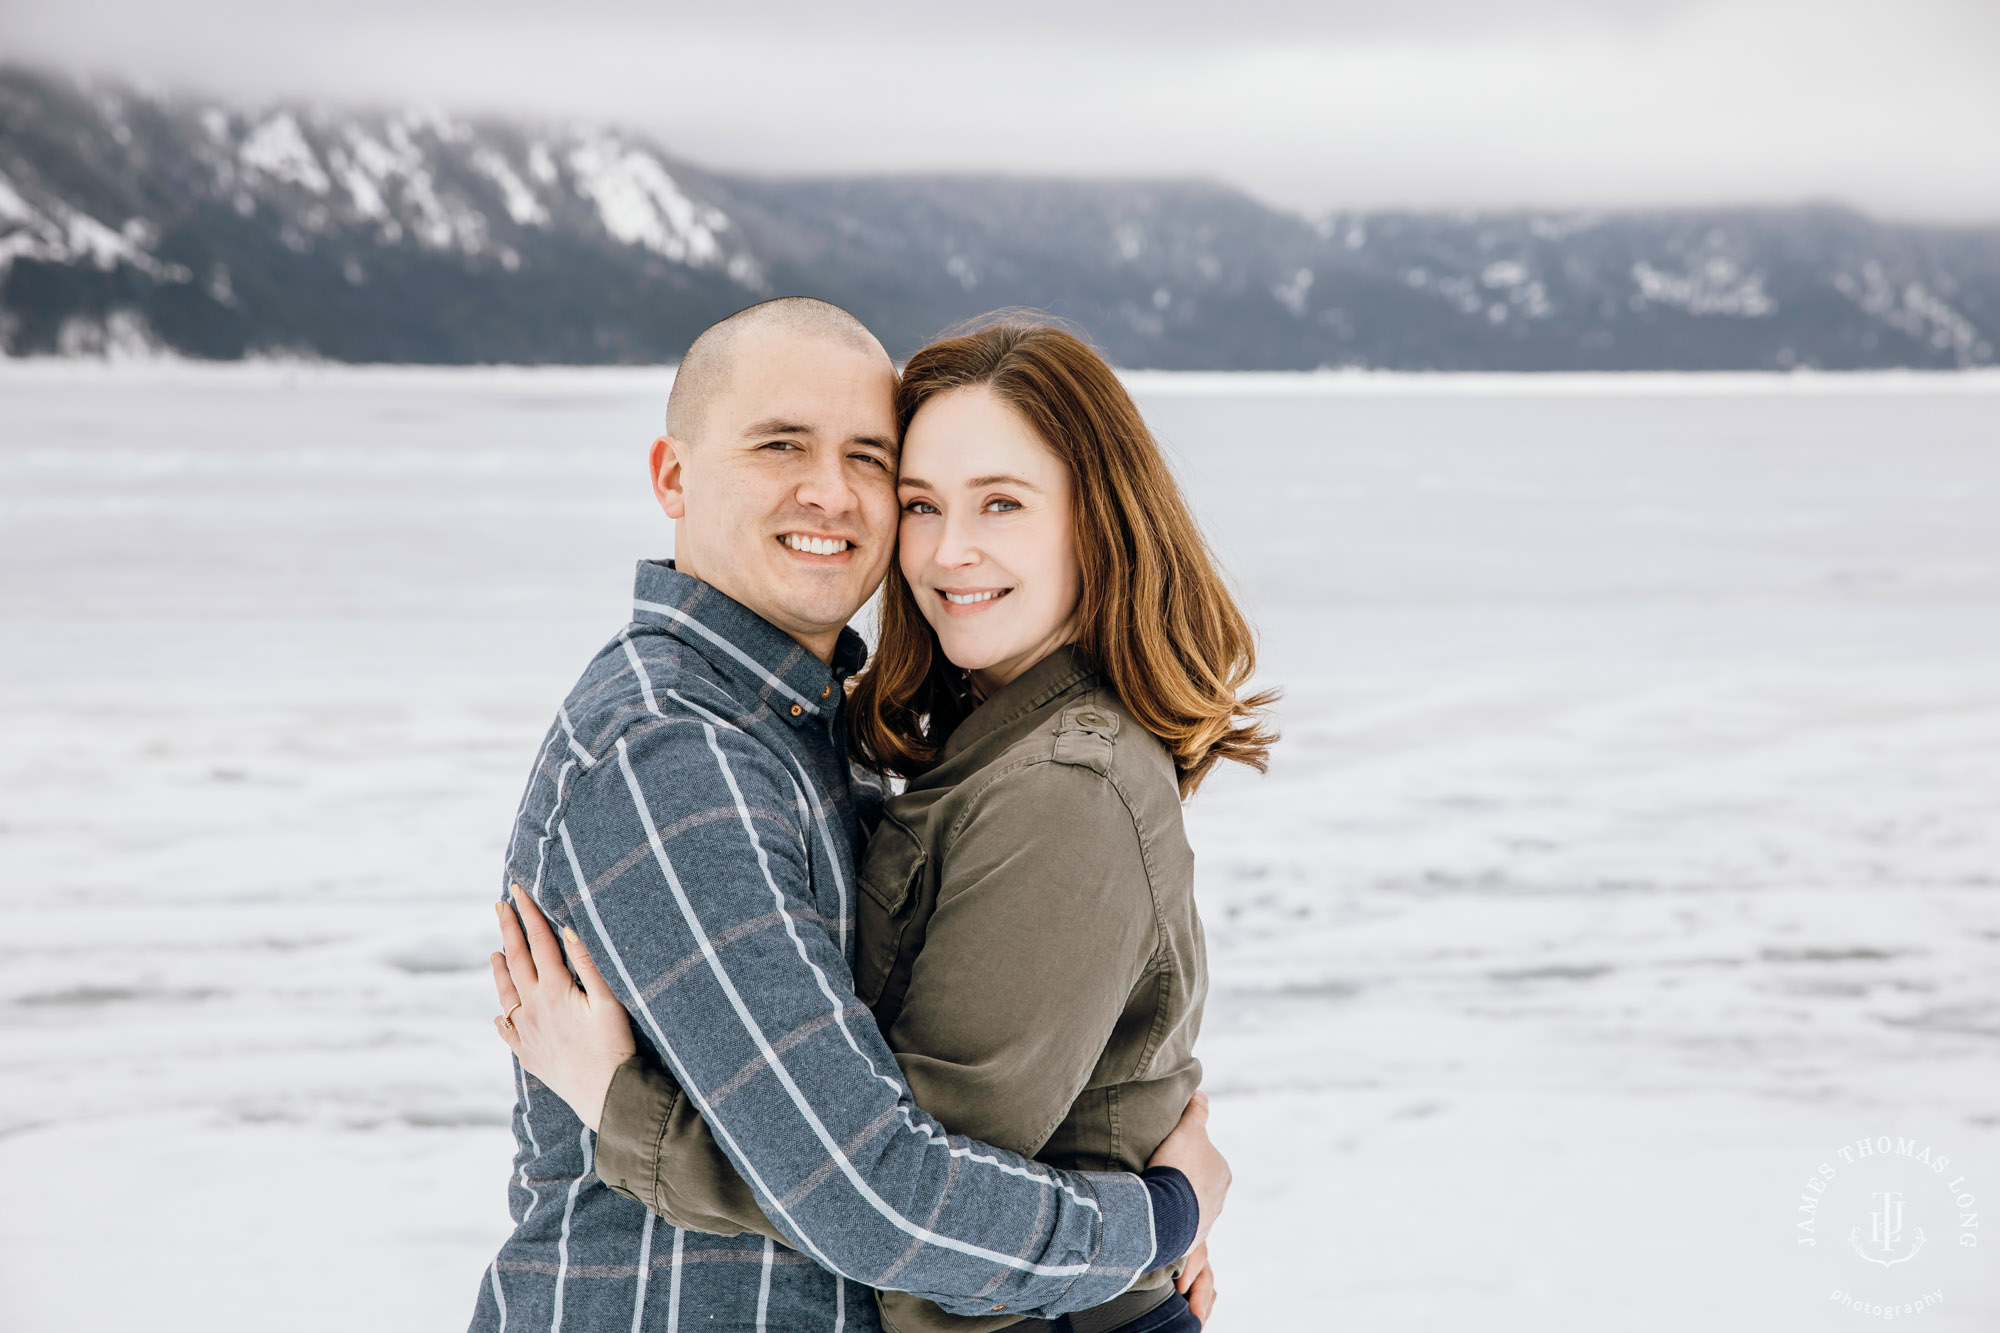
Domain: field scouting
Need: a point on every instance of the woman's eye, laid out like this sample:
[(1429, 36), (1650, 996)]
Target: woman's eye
[(1002, 506), (920, 507)]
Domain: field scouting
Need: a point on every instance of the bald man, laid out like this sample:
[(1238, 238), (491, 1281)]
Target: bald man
[(691, 817)]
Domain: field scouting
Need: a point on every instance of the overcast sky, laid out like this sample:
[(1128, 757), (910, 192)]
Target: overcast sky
[(1892, 105)]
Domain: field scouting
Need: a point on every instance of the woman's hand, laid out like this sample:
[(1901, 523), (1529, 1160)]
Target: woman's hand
[(1197, 1282), (573, 1040)]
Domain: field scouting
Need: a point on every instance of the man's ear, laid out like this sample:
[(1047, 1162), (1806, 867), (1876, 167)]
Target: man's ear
[(669, 482)]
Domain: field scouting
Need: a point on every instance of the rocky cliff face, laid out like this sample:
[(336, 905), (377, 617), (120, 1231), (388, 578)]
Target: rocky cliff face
[(132, 221)]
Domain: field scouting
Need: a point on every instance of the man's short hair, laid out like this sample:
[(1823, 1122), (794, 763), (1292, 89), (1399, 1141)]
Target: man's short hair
[(706, 368)]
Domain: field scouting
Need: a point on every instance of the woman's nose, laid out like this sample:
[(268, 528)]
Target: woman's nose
[(955, 549)]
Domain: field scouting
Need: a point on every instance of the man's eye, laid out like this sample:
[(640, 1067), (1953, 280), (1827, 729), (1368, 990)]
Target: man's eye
[(920, 507), (871, 458), (779, 444)]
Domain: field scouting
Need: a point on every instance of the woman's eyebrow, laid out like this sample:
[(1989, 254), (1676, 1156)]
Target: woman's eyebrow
[(997, 479), (1002, 479)]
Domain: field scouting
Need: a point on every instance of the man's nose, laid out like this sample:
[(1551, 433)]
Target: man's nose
[(825, 486)]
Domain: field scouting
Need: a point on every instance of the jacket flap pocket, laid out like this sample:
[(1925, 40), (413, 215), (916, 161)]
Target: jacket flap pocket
[(890, 868)]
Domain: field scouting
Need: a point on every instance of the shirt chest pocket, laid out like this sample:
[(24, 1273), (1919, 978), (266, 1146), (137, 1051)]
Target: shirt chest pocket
[(892, 882)]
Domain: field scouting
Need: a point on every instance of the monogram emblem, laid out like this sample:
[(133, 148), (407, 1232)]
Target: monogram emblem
[(1885, 1232)]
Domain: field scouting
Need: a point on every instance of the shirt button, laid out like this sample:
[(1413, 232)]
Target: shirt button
[(796, 710)]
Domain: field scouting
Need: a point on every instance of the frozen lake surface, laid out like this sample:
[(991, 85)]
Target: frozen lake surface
[(1634, 843)]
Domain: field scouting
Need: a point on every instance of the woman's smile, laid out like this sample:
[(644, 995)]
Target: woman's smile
[(970, 601)]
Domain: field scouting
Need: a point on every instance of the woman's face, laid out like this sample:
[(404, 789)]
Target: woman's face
[(986, 541)]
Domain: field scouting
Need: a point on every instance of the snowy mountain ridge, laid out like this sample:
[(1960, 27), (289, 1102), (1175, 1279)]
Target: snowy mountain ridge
[(137, 221)]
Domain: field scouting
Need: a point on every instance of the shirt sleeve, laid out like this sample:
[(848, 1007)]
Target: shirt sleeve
[(684, 844)]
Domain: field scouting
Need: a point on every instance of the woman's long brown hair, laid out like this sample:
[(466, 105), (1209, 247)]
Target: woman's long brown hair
[(1155, 616)]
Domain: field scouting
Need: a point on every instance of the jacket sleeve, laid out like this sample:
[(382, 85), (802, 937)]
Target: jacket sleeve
[(654, 1148), (684, 843), (1044, 924)]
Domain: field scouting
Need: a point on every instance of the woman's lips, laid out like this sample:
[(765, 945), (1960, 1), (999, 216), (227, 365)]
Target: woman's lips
[(969, 601)]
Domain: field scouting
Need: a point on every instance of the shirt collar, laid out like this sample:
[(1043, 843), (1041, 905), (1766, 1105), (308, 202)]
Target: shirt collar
[(744, 646), (1046, 680)]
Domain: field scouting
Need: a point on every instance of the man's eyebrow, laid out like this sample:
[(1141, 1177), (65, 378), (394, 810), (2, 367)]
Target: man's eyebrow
[(777, 426)]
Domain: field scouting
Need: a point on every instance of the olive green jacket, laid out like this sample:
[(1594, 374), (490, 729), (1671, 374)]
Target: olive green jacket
[(1026, 938)]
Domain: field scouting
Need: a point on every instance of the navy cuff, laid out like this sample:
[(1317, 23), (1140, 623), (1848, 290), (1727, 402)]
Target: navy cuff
[(1176, 1214)]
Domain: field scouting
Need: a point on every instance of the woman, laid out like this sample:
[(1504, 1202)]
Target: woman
[(1059, 666)]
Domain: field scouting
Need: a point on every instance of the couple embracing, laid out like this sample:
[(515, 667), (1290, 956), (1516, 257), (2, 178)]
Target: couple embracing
[(854, 996)]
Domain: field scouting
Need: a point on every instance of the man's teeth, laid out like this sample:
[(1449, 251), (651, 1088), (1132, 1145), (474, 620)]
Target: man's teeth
[(815, 545), (968, 598)]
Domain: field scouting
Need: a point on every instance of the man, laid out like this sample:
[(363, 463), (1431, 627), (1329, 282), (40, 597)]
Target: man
[(692, 817)]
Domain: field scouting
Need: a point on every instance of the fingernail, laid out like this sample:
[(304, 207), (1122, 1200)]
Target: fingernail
[(500, 909), (514, 892), (569, 933)]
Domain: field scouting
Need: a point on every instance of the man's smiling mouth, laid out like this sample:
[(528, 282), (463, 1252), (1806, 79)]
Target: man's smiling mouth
[(806, 545)]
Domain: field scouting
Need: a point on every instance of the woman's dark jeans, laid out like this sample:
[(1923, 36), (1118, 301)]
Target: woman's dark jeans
[(1169, 1316)]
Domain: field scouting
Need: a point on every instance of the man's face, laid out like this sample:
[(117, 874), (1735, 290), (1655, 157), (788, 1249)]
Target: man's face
[(786, 500)]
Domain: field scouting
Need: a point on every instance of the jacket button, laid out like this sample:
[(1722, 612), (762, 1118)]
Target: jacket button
[(796, 710), (1091, 719)]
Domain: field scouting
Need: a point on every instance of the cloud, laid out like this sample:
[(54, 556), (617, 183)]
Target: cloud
[(1433, 103)]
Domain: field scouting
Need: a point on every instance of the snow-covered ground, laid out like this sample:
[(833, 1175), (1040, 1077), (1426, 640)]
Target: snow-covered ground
[(1633, 847)]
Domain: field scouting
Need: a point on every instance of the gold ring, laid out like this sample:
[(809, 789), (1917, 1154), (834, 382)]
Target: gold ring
[(508, 1018)]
